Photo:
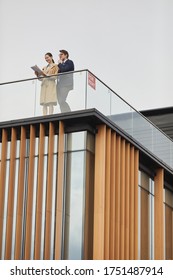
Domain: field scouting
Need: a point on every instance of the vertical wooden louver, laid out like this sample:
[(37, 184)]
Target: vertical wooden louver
[(127, 202), (20, 195), (99, 193), (111, 223), (2, 181), (49, 192), (116, 181), (132, 200), (107, 194), (136, 168), (117, 197), (39, 193), (11, 194), (122, 201), (158, 216)]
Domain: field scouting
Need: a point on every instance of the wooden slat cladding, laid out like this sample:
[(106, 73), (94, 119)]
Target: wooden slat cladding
[(158, 216), (11, 194), (115, 197), (132, 208), (127, 201), (107, 194), (112, 197), (122, 201), (49, 192), (136, 167), (39, 192), (2, 181), (20, 195), (99, 193)]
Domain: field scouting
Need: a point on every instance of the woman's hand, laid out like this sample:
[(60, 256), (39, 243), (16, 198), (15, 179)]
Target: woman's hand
[(43, 73)]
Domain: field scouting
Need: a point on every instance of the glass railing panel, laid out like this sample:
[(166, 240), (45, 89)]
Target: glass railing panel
[(142, 131), (71, 95), (171, 154), (102, 98), (98, 95), (121, 113), (152, 138), (77, 96), (17, 100), (21, 99), (162, 146)]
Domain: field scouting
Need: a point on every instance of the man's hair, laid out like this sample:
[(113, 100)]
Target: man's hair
[(65, 52)]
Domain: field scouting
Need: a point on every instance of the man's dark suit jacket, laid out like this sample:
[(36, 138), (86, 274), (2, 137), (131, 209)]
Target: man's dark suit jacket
[(66, 80)]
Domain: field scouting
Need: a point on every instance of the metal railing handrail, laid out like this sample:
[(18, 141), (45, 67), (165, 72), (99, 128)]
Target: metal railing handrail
[(36, 78)]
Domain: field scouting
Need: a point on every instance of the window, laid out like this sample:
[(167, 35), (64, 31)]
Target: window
[(79, 186), (146, 216)]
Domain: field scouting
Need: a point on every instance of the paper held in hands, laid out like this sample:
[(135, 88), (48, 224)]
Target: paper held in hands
[(37, 69)]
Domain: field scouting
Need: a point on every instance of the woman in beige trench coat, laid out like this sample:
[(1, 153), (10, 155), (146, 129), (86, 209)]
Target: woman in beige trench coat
[(48, 95)]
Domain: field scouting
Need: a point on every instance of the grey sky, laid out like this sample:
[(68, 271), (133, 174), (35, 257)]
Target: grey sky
[(126, 43)]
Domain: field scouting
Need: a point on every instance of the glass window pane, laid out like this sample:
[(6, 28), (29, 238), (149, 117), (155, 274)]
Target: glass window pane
[(76, 141), (146, 216), (34, 208), (55, 144), (46, 140), (73, 243)]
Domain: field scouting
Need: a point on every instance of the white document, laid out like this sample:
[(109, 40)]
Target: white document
[(37, 69)]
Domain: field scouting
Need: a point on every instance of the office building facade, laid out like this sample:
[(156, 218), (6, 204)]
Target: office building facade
[(85, 184)]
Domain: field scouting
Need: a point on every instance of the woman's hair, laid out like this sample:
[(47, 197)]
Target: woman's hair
[(49, 54)]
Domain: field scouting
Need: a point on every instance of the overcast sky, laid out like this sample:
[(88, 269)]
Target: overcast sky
[(126, 43)]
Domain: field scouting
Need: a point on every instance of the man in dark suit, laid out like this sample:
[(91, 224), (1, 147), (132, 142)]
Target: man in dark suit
[(65, 81)]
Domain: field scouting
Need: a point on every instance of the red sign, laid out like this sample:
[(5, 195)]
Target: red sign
[(91, 81)]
